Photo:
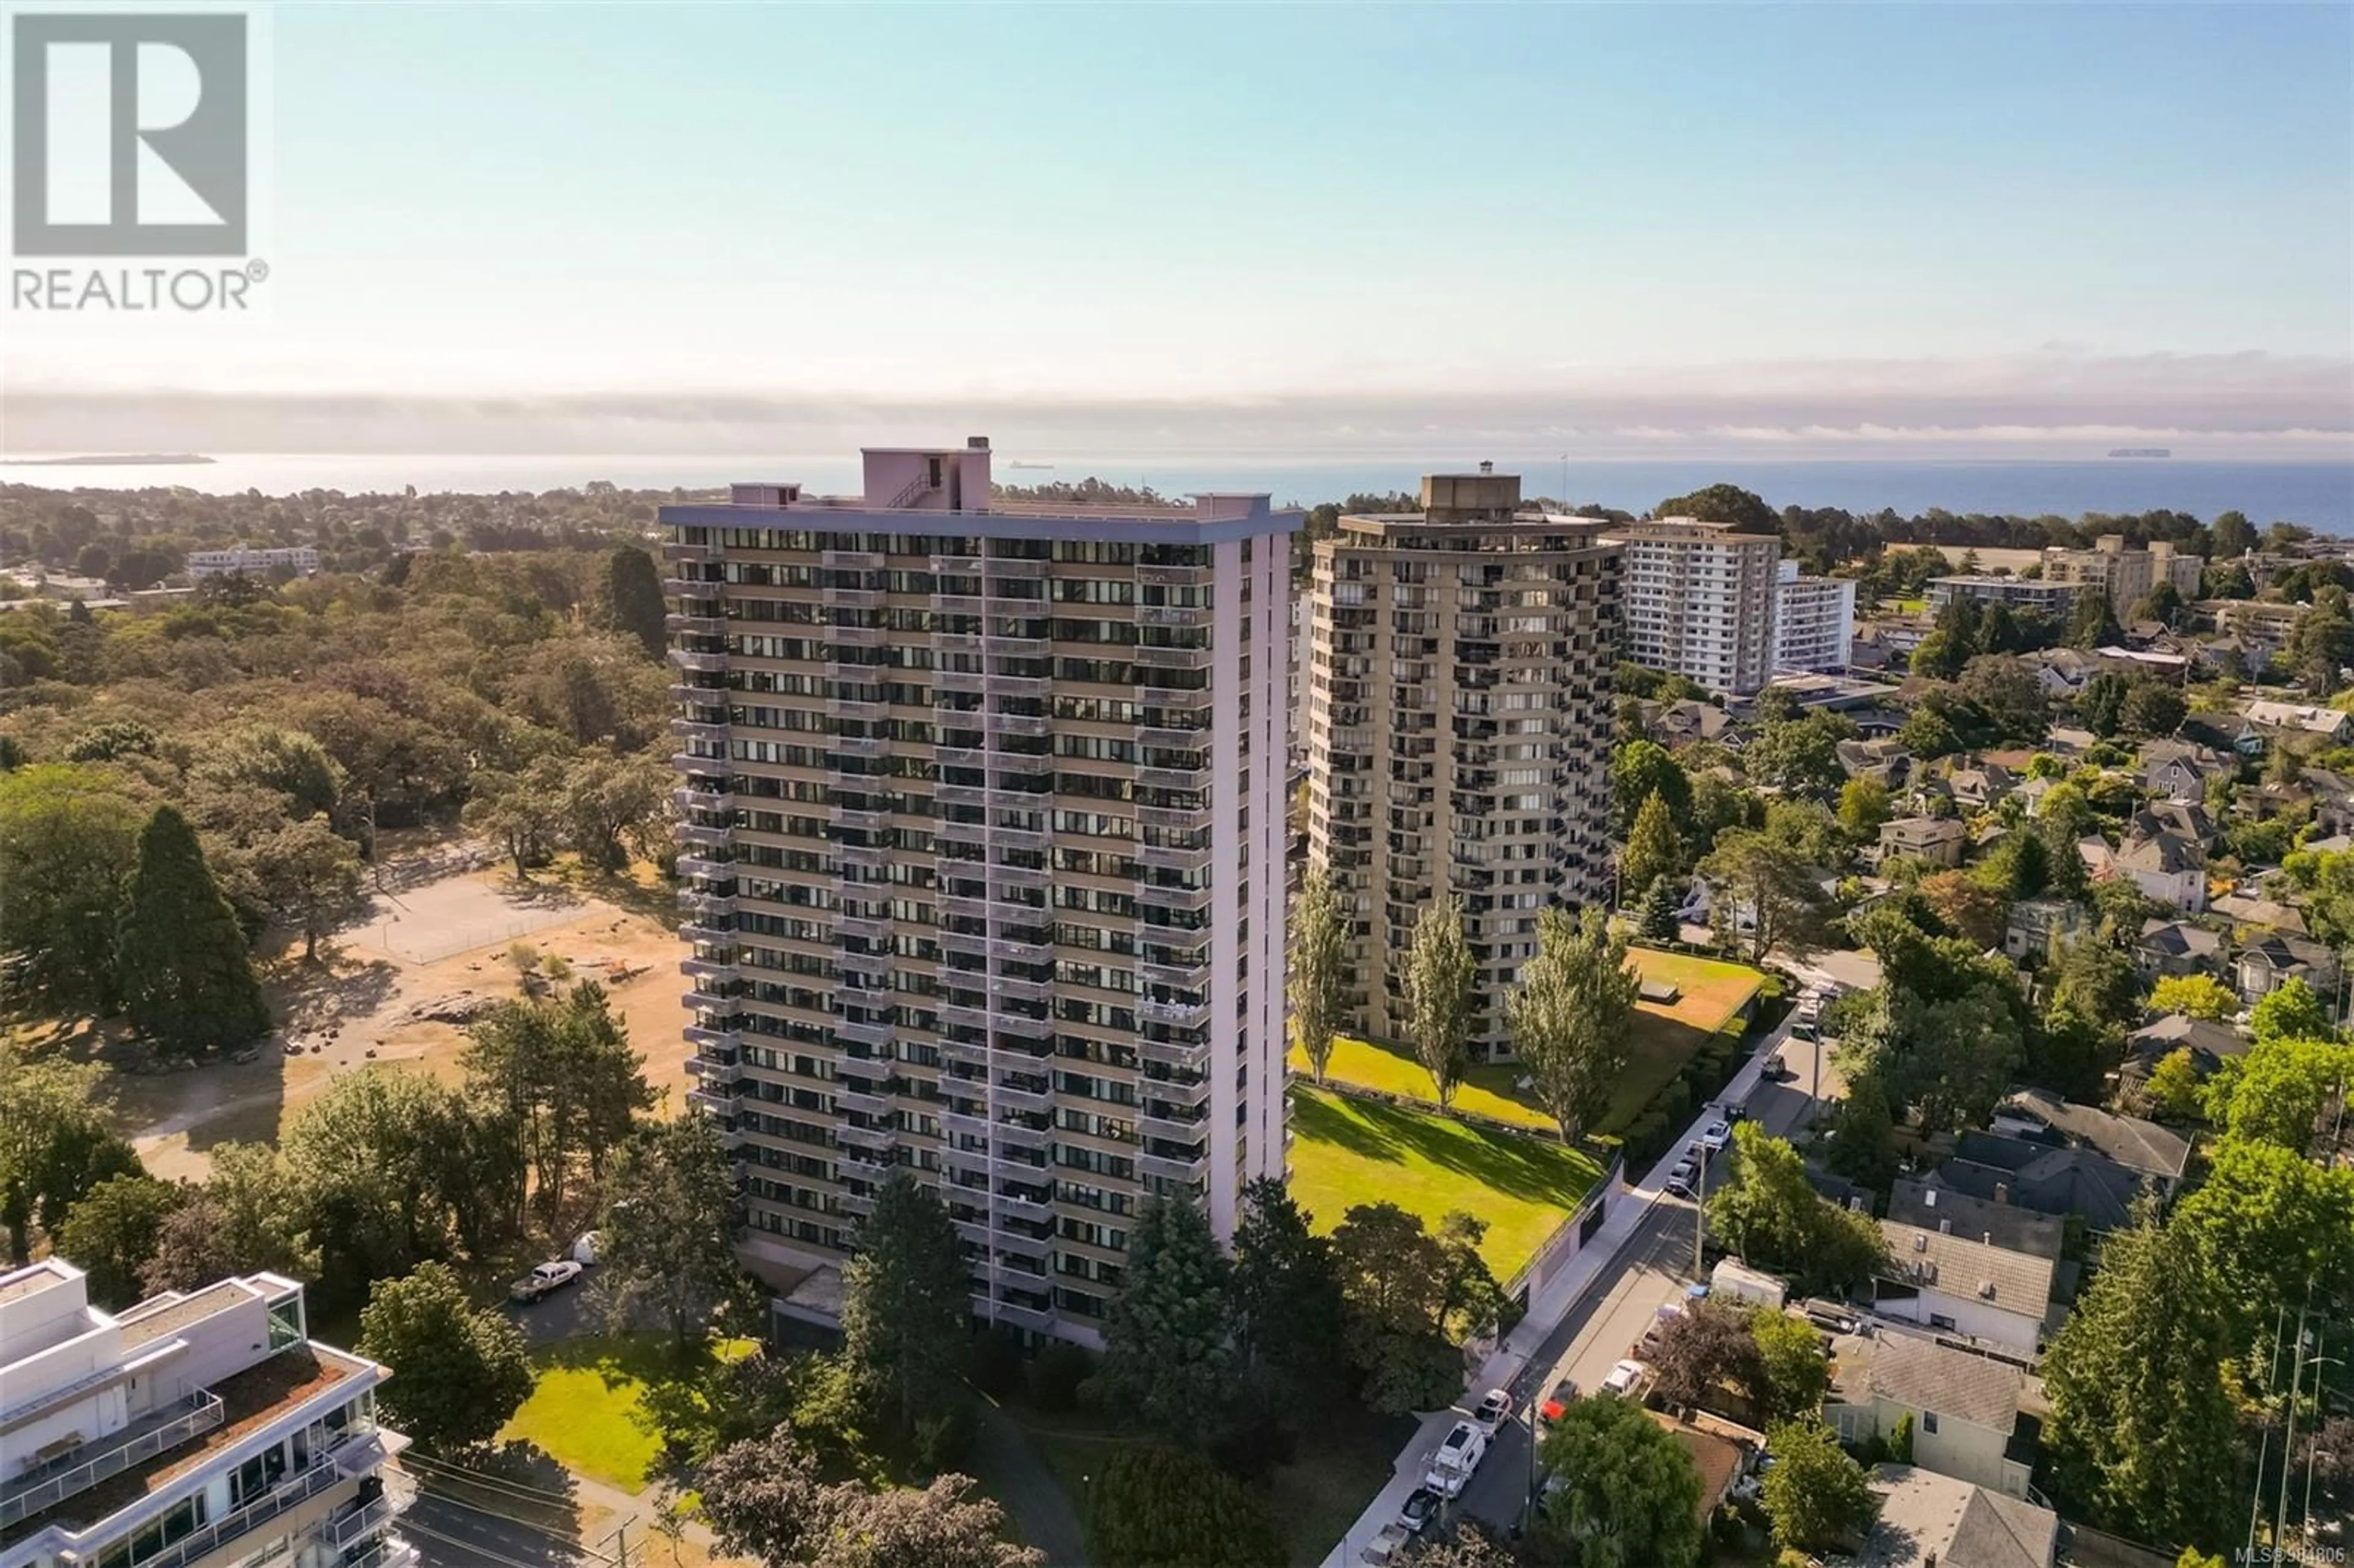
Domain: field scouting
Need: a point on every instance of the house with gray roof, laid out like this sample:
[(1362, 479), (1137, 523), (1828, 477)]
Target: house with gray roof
[(1929, 1520), (2158, 1154), (1965, 1407), (2178, 947), (2279, 957), (1964, 1284), (1931, 1208)]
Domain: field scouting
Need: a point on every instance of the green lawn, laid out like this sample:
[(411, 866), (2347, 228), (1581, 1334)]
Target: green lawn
[(587, 1409), (1665, 1037), (1347, 1151)]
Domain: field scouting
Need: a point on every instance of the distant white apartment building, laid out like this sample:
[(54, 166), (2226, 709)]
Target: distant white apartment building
[(1814, 620), (302, 559), (197, 1430), (1700, 600), (2126, 576)]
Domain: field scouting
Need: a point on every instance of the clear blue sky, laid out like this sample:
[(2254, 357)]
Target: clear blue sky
[(1166, 200)]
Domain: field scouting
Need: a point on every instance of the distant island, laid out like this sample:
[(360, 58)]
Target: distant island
[(2142, 452), (109, 459)]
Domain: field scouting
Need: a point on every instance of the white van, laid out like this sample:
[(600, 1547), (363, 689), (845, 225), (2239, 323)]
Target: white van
[(1457, 1455)]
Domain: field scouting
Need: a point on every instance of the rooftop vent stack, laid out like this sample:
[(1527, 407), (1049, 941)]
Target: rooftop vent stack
[(977, 443)]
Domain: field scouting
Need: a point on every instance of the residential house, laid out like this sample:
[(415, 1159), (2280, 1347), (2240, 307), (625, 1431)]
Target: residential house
[(1983, 786), (1929, 1520), (2181, 771), (2210, 1045), (1963, 1406), (197, 1429), (1884, 759), (2165, 865), (2272, 961), (2041, 1176), (2033, 924), (2186, 819), (1720, 1452), (2177, 947), (2173, 668), (2157, 1155), (2062, 672), (1939, 840), (2068, 742), (2030, 792), (1964, 1284), (2245, 909), (2333, 799), (1679, 723), (2272, 797), (2290, 721), (1934, 1208)]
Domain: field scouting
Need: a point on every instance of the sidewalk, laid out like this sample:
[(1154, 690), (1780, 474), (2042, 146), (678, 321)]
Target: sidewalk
[(1627, 1208)]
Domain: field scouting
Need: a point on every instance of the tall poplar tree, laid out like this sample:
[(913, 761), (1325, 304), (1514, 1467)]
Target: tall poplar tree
[(1320, 970), (187, 982), (1440, 996)]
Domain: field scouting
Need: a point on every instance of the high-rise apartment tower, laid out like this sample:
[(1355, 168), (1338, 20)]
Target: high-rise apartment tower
[(983, 849), (1460, 714), (1700, 600)]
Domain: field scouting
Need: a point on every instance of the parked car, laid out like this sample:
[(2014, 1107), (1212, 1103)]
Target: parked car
[(1716, 1135), (1557, 1403), (1777, 1070), (1668, 1313), (1684, 1177), (1382, 1549), (1494, 1406), (1421, 1508), (1459, 1453), (547, 1279), (1624, 1377)]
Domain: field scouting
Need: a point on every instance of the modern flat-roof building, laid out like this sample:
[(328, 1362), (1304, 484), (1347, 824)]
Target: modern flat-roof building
[(2126, 576), (1700, 600), (1814, 621), (301, 559), (1460, 722), (2054, 600), (983, 846), (203, 1429)]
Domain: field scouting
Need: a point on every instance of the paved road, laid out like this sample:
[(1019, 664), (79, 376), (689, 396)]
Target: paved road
[(466, 1527)]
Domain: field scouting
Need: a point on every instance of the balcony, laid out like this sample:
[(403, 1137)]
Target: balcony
[(1012, 1095), (296, 1488), (353, 1528), (862, 1032), (1171, 1128), (1168, 1169), (718, 971), (695, 625), (1172, 615), (862, 1103), (704, 866), (695, 731), (881, 1139), (1178, 1014), (1171, 658), (693, 800), (706, 906), (714, 1102), (701, 662), (850, 560), (91, 1463)]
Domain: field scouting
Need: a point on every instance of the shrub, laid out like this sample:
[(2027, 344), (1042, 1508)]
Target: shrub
[(1056, 1376), (941, 1440), (1163, 1507)]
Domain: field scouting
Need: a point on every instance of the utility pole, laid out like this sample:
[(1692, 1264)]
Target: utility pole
[(2289, 1437), (1699, 1214), (2264, 1449), (2320, 1391)]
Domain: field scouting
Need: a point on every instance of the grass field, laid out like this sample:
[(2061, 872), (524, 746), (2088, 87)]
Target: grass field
[(1665, 1038), (587, 1409), (1347, 1151)]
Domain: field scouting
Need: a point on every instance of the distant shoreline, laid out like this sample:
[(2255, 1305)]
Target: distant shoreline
[(109, 459)]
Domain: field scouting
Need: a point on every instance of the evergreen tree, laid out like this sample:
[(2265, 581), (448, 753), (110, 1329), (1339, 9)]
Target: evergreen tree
[(906, 1303), (1440, 978), (2142, 1425), (1320, 970), (633, 597), (1816, 1496), (667, 1231), (1659, 918), (1652, 848), (187, 982), (1169, 1352), (1287, 1294)]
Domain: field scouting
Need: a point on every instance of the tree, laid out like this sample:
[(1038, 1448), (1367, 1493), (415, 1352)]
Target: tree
[(1641, 770), (2153, 708), (1154, 1507), (457, 1374), (1320, 981), (1953, 1060), (1793, 1375), (565, 1072), (2268, 1220), (2101, 702), (1768, 1213), (906, 1303), (1863, 808), (246, 1219), (1800, 759), (1394, 1286), (2199, 996), (2008, 696), (1441, 993), (114, 1232), (1816, 1496), (1967, 907), (1465, 1544), (608, 800), (1286, 1293), (368, 1169), (2174, 1091), (1629, 1494), (1658, 920), (2230, 534), (68, 840), (2289, 1012), (1169, 1349), (634, 598), (2090, 623), (1708, 1344), (524, 811), (1653, 850), (1776, 887), (55, 1145), (187, 983), (2142, 1424), (944, 1525), (2279, 1092), (1570, 1013), (666, 1232), (311, 878)]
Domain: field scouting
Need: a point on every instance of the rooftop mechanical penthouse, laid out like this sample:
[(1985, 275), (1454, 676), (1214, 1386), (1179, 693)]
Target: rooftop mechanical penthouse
[(983, 846), (198, 1430)]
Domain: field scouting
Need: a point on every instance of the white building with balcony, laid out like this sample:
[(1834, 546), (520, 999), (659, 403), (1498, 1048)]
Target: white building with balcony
[(195, 1430), (301, 559), (1814, 621), (1700, 600)]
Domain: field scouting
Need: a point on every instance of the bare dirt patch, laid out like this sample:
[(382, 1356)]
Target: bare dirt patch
[(394, 989)]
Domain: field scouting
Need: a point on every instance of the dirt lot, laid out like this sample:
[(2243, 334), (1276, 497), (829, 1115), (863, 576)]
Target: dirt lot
[(447, 935)]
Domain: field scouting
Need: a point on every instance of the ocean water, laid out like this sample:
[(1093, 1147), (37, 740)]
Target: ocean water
[(2316, 494)]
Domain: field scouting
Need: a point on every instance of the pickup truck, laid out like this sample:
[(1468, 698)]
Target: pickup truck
[(548, 1278)]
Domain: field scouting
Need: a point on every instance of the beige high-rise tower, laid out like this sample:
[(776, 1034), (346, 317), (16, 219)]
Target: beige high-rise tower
[(1460, 727), (983, 843)]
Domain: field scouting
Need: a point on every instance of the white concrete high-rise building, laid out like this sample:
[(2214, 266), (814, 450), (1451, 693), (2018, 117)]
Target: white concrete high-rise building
[(1700, 600), (1814, 621), (983, 846), (1459, 724), (204, 1429)]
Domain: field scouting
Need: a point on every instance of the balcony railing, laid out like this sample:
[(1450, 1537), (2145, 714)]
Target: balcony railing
[(297, 1489), (30, 1493)]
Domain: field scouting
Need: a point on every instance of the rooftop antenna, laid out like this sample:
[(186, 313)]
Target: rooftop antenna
[(1564, 482)]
